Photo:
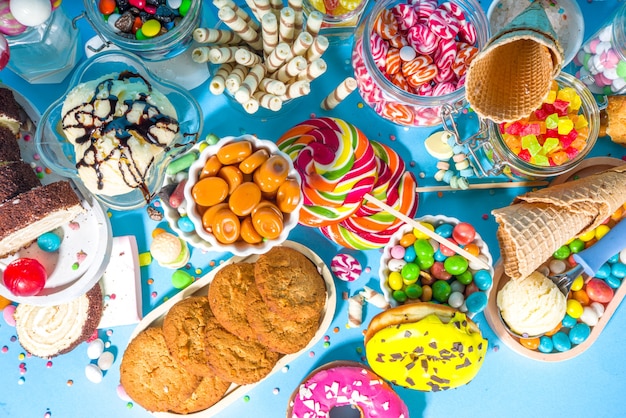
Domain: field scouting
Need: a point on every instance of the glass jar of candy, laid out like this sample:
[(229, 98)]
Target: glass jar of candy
[(340, 22), (552, 141), (601, 62), (46, 53), (410, 58)]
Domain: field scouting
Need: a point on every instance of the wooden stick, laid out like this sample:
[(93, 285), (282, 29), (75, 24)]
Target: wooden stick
[(426, 231), (477, 186)]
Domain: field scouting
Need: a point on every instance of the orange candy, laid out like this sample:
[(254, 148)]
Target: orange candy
[(107, 7), (211, 167), (267, 220), (226, 226), (254, 161), (272, 173), (530, 343), (582, 297), (244, 199), (288, 196), (248, 233), (209, 215), (209, 191), (473, 249), (231, 175), (235, 152), (555, 330)]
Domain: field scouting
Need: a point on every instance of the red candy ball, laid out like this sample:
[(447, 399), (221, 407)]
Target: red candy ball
[(447, 251), (463, 233), (25, 277), (599, 291)]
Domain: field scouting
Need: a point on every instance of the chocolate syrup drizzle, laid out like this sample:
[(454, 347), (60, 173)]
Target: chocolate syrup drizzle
[(84, 117)]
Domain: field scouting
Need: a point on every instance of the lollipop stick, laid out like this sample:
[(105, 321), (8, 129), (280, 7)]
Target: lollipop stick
[(476, 186), (426, 231)]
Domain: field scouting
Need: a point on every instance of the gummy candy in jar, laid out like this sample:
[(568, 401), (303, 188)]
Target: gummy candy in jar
[(410, 58), (601, 62)]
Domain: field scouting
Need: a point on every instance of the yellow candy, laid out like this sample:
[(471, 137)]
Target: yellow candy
[(551, 97), (588, 236), (151, 28), (578, 283), (420, 235), (601, 231), (349, 5), (319, 5), (395, 280), (145, 259), (574, 308)]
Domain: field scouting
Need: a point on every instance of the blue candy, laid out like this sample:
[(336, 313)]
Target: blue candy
[(613, 282), (561, 341), (49, 242), (545, 344), (614, 259), (445, 230), (439, 256), (476, 302), (579, 333), (604, 271), (409, 254), (618, 270), (568, 321), (483, 279), (185, 224)]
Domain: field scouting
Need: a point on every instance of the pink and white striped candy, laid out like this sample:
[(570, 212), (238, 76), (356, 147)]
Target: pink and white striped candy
[(444, 88), (467, 32), (443, 24), (464, 57), (445, 74), (425, 89), (345, 267), (425, 9), (422, 39), (454, 10), (445, 54), (405, 15), (379, 49)]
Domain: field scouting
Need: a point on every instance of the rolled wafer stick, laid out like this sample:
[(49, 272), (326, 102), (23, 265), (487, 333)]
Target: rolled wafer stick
[(215, 36), (251, 106), (269, 30), (237, 24), (276, 6), (278, 57), (235, 78), (296, 89), (240, 12), (286, 25), (302, 43), (431, 234), (201, 54), (218, 82), (268, 100), (355, 311), (296, 5), (375, 298), (290, 69), (313, 70), (275, 87), (262, 7), (317, 48), (336, 96), (252, 8), (247, 58), (222, 54), (250, 83), (314, 23)]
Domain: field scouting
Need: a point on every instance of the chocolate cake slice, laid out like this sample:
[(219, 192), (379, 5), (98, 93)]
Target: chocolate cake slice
[(10, 111), (9, 147), (28, 215), (16, 177)]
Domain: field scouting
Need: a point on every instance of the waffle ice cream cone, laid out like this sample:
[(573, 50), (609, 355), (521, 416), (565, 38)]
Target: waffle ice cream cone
[(512, 74), (539, 222)]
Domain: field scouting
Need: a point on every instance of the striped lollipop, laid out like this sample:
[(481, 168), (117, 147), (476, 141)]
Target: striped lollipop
[(337, 165), (370, 227), (8, 25)]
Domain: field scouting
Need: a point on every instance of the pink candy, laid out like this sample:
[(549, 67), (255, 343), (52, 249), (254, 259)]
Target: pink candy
[(422, 39), (443, 24)]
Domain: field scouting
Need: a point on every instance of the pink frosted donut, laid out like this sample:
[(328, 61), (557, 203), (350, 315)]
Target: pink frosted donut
[(343, 383)]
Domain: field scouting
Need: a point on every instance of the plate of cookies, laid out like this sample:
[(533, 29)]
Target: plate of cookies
[(51, 229), (207, 346)]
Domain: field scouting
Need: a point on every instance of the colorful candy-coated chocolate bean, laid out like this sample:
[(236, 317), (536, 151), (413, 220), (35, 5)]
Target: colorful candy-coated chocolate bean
[(409, 254), (395, 280), (613, 282), (545, 344), (604, 271), (561, 342), (581, 296), (399, 296), (441, 290), (579, 333), (576, 246), (234, 152), (395, 264), (589, 316), (49, 242), (447, 251), (407, 240), (578, 283), (181, 279), (151, 28), (574, 308), (226, 226), (438, 271), (444, 230), (599, 291), (465, 278), (618, 270), (106, 7), (457, 286), (397, 251), (410, 271), (184, 7), (476, 302), (456, 264), (562, 253), (483, 280), (456, 299), (185, 224), (425, 262), (568, 321), (464, 233), (413, 291), (210, 191), (25, 277), (530, 343), (423, 248)]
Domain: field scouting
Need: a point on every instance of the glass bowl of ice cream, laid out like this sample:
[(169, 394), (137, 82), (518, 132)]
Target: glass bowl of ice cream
[(116, 128), (243, 195), (416, 268)]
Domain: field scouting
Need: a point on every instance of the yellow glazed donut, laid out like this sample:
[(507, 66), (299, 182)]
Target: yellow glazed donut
[(342, 383), (424, 346)]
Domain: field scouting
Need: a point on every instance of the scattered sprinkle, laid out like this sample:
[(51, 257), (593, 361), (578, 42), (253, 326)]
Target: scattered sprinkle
[(109, 332), (246, 398), (21, 381), (49, 364), (5, 349), (336, 330), (150, 281), (276, 391), (129, 405), (74, 226), (285, 369), (70, 382), (75, 266), (392, 137), (311, 354), (326, 344), (153, 294), (485, 216), (47, 414), (21, 356)]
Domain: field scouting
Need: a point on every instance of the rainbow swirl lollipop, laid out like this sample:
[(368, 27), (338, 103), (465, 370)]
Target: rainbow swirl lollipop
[(371, 227), (338, 167)]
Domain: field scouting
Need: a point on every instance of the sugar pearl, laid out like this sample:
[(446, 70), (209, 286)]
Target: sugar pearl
[(105, 361), (95, 348), (407, 53), (93, 373)]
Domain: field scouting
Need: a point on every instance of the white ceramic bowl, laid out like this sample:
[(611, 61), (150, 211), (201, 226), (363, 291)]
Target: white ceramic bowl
[(240, 248), (435, 220)]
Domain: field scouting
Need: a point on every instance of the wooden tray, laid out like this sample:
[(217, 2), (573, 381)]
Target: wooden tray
[(587, 167), (201, 287)]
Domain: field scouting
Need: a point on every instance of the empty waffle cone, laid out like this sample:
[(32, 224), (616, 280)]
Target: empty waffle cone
[(530, 231), (512, 75)]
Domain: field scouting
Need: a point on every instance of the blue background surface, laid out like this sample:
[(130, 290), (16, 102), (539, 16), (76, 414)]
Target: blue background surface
[(508, 384)]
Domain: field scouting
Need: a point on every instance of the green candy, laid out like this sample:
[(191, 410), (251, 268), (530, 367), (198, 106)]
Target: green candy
[(184, 7), (212, 139), (425, 262), (456, 264), (399, 296), (576, 246), (423, 249), (562, 253), (621, 69), (410, 271), (181, 279), (413, 291), (464, 278), (441, 291), (139, 35), (181, 163)]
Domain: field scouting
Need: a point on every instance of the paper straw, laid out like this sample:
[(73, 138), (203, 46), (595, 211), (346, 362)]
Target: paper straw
[(286, 25), (250, 83), (268, 100), (313, 70), (275, 87), (336, 96), (247, 58), (215, 36), (269, 30), (218, 82)]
